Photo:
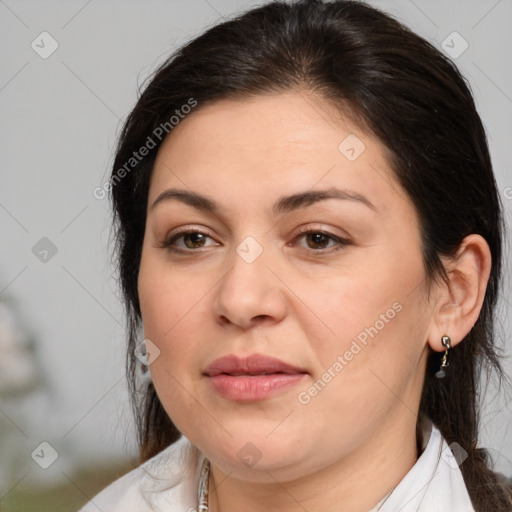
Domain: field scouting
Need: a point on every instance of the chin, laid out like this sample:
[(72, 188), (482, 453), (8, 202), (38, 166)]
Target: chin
[(253, 450)]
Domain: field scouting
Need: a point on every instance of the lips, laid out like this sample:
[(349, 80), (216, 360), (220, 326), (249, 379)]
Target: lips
[(251, 378), (256, 364)]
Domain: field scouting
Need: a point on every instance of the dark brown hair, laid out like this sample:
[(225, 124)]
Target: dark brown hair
[(394, 84)]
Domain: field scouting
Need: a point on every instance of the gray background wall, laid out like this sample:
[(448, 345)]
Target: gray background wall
[(59, 119)]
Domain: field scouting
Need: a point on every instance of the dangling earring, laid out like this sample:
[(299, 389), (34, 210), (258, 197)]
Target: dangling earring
[(447, 343), (146, 376)]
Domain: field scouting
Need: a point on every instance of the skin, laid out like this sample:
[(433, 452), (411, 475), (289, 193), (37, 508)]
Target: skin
[(301, 301)]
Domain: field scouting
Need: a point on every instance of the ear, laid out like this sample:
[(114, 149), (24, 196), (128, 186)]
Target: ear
[(458, 302)]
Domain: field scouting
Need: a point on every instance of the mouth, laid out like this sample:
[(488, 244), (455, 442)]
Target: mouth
[(252, 378), (252, 374), (256, 364)]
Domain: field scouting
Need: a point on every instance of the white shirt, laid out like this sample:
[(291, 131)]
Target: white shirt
[(169, 481)]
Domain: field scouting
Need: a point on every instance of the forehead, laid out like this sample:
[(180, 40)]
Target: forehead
[(269, 143)]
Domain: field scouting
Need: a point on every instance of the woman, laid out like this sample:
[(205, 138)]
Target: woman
[(309, 235)]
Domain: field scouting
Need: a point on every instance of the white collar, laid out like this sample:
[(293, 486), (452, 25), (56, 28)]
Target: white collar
[(434, 483)]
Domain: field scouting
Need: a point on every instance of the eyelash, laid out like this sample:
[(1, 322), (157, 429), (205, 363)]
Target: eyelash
[(168, 244)]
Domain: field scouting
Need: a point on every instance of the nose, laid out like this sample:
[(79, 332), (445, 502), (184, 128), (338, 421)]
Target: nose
[(250, 293)]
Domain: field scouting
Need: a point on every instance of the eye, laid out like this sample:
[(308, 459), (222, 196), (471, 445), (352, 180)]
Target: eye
[(192, 238), (318, 240)]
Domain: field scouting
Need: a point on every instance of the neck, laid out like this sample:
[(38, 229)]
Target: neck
[(354, 484)]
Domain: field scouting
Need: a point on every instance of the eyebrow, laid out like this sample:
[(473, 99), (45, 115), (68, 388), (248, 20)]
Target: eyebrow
[(284, 204)]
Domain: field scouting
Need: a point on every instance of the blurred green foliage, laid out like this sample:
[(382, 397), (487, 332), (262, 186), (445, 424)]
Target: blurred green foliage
[(68, 497)]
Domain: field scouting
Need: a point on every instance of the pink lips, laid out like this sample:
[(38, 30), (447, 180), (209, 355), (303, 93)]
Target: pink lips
[(251, 378)]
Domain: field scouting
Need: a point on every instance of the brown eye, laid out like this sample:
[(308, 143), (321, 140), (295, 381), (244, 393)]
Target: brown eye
[(196, 239), (192, 239), (317, 239), (320, 241)]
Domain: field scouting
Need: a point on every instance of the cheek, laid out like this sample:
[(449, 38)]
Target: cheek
[(168, 322), (373, 283), (174, 307), (366, 307), (377, 324), (168, 297), (362, 379), (161, 310)]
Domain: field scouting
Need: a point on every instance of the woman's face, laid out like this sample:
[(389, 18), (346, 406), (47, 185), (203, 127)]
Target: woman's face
[(292, 327)]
